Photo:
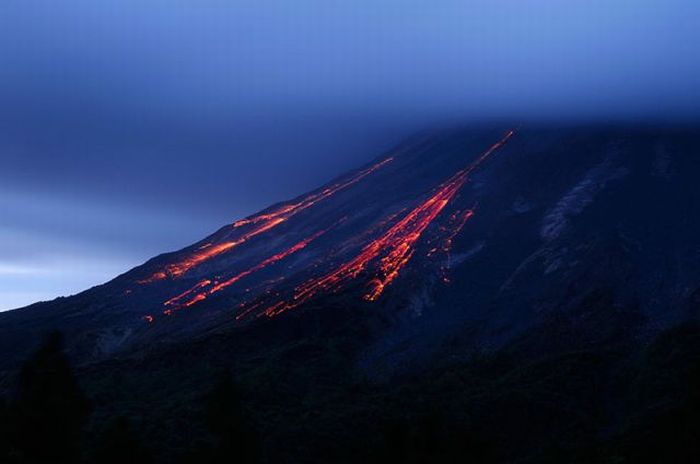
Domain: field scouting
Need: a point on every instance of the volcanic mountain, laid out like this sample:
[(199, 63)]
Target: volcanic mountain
[(486, 232), (533, 284)]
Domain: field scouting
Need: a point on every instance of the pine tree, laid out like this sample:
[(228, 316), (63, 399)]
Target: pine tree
[(50, 409), (5, 449)]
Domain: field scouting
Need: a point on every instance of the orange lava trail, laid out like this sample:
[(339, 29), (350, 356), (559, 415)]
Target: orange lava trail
[(177, 269), (258, 267), (174, 300), (396, 246), (459, 219), (288, 210), (271, 260), (397, 243), (247, 310), (195, 297), (261, 223)]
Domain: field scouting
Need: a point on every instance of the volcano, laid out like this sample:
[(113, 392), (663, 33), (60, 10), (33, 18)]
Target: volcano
[(536, 241), (446, 227)]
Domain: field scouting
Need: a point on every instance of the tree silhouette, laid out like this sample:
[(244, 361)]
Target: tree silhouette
[(50, 409), (5, 428)]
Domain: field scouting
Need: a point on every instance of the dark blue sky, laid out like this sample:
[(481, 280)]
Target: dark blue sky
[(133, 127)]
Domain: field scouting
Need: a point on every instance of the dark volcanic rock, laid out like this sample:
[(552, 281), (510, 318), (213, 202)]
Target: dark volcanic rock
[(548, 220)]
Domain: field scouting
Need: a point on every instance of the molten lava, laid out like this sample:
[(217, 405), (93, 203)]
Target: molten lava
[(260, 223), (393, 249), (174, 301), (458, 219), (396, 245), (286, 211), (384, 251), (200, 291), (271, 260)]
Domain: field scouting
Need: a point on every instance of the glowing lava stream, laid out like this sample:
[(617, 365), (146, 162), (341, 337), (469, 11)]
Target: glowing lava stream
[(397, 245), (460, 219), (261, 223), (291, 209), (199, 285), (217, 286)]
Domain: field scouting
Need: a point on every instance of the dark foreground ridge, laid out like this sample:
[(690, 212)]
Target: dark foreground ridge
[(473, 295)]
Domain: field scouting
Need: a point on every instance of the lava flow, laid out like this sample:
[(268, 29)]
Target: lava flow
[(271, 260), (200, 291), (207, 252), (288, 210), (174, 301), (458, 219), (260, 223), (393, 249)]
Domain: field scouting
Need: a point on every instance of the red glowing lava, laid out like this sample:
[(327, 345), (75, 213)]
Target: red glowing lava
[(384, 251), (271, 260), (286, 211), (260, 223), (200, 291), (393, 249), (174, 300), (458, 219)]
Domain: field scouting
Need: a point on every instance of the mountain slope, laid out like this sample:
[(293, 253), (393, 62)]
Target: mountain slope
[(479, 234)]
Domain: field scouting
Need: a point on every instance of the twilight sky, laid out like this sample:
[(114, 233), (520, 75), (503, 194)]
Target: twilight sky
[(133, 127)]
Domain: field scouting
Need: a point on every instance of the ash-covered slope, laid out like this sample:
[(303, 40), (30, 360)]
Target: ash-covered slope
[(474, 235)]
